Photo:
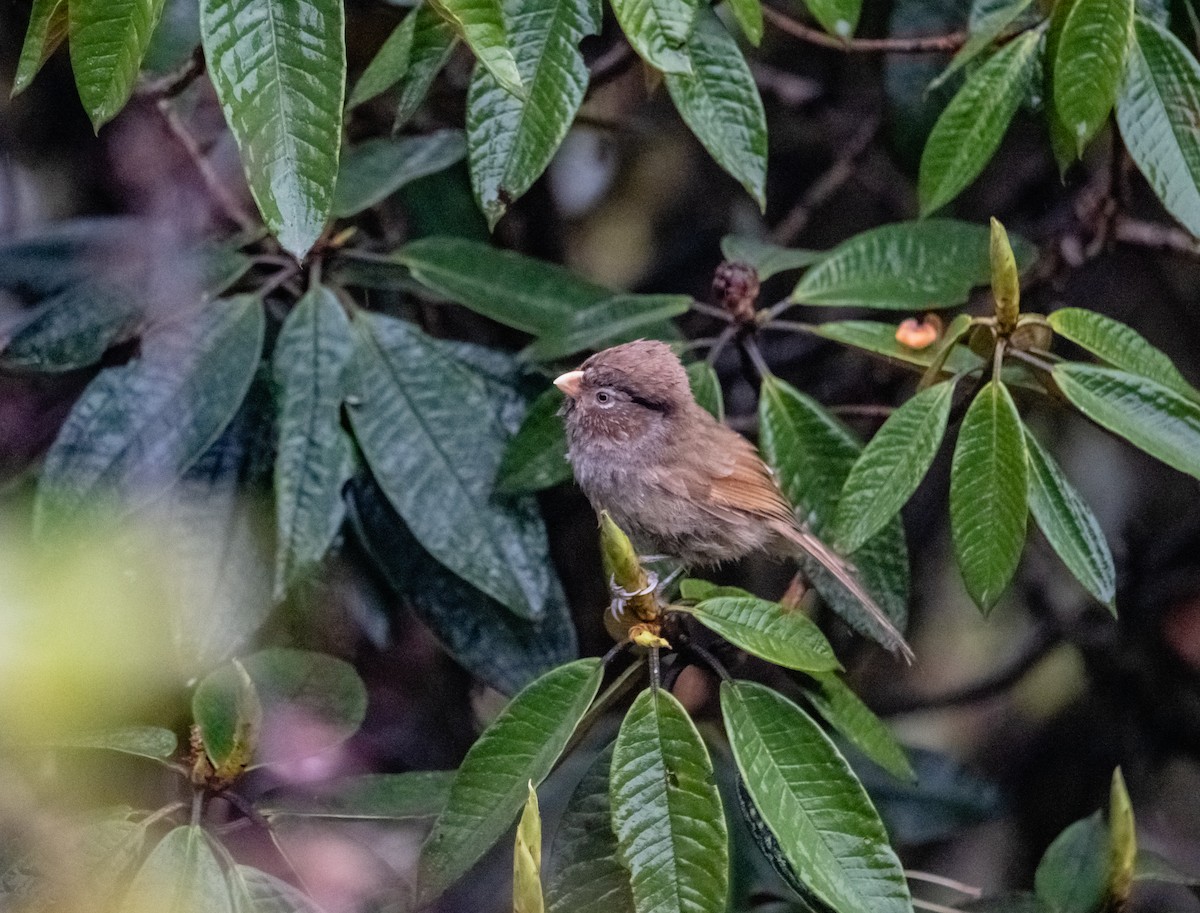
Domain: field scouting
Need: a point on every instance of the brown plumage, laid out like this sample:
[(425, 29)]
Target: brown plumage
[(678, 481)]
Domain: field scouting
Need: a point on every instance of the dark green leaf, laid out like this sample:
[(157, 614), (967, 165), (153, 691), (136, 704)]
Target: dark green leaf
[(180, 875), (621, 318), (971, 127), (511, 138), (73, 329), (432, 44), (659, 31), (838, 17), (139, 427), (880, 338), (1069, 525), (142, 741), (988, 490), (314, 457), (521, 745), (480, 23), (986, 26), (694, 590), (47, 30), (416, 794), (717, 98), (786, 637), (1121, 346), (706, 388), (108, 40), (845, 712), (1071, 876), (279, 69), (536, 457), (749, 16), (1062, 138), (1089, 63), (810, 799), (373, 170), (389, 64), (584, 872), (430, 430), (905, 266), (766, 258), (666, 811), (65, 254), (1148, 415), (892, 465)]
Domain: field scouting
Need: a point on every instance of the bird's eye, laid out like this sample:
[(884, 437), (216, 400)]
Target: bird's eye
[(603, 397)]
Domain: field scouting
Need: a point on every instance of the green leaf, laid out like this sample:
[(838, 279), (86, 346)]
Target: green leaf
[(512, 139), (1069, 524), (706, 388), (391, 797), (1121, 346), (494, 645), (717, 98), (821, 816), (228, 712), (1162, 84), (786, 637), (694, 590), (1150, 416), (1062, 138), (1071, 875), (812, 453), (749, 16), (389, 65), (988, 490), (621, 318), (433, 43), (314, 459), (255, 891), (845, 712), (1089, 63), (527, 859), (142, 741), (993, 23), (970, 129), (659, 31), (905, 266), (108, 40), (521, 745), (946, 348), (892, 465), (536, 457), (837, 17), (584, 872), (373, 170), (1122, 843), (73, 329), (279, 69), (47, 30), (766, 258), (1150, 866), (180, 875), (430, 430), (666, 811), (520, 292), (480, 23), (139, 427), (880, 338)]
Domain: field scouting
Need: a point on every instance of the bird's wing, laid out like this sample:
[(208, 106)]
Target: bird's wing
[(739, 479)]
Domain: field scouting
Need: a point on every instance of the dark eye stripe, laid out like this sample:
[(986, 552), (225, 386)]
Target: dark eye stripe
[(655, 405)]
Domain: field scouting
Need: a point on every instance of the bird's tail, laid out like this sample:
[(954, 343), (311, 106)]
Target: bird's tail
[(882, 627)]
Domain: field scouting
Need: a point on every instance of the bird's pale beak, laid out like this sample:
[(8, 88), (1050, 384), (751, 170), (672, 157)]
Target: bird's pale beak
[(569, 383)]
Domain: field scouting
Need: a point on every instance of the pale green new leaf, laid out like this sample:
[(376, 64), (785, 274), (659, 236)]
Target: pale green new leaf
[(373, 170), (766, 258), (621, 318), (1089, 63), (988, 491), (666, 812), (480, 23), (845, 712), (389, 64), (108, 39), (719, 101), (142, 741), (536, 457), (970, 129), (181, 875), (837, 17), (749, 16), (659, 30), (892, 465), (527, 859), (786, 637), (706, 388), (47, 30), (521, 745), (279, 70), (990, 26)]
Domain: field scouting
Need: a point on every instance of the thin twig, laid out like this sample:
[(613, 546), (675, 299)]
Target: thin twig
[(711, 661), (611, 64), (863, 411), (1155, 236), (934, 907), (943, 881), (924, 44), (173, 84), (710, 310)]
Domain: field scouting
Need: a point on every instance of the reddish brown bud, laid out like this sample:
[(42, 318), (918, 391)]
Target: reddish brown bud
[(735, 288)]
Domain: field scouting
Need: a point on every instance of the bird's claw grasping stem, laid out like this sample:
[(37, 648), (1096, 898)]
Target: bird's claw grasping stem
[(620, 595)]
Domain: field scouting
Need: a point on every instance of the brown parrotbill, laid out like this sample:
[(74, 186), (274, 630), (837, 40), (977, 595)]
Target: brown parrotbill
[(678, 481)]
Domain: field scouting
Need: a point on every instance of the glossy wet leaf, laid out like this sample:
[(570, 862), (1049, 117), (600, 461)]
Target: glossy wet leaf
[(1062, 138), (180, 875), (749, 16), (706, 387), (256, 891), (812, 454), (892, 465), (73, 329), (520, 292), (311, 356), (1162, 84), (108, 40), (536, 457), (375, 169), (279, 70), (718, 99), (666, 811), (766, 258), (139, 427), (511, 138), (786, 637), (1089, 64), (433, 43), (1120, 346), (583, 872), (142, 741), (837, 17), (46, 31), (433, 436), (1148, 415), (988, 491), (521, 745), (1071, 874), (412, 795), (527, 859), (905, 266), (389, 64), (620, 318), (1069, 524), (880, 338), (994, 21), (825, 824), (845, 712), (659, 31), (480, 23)]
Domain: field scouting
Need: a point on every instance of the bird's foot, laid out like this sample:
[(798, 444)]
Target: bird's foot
[(620, 595)]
